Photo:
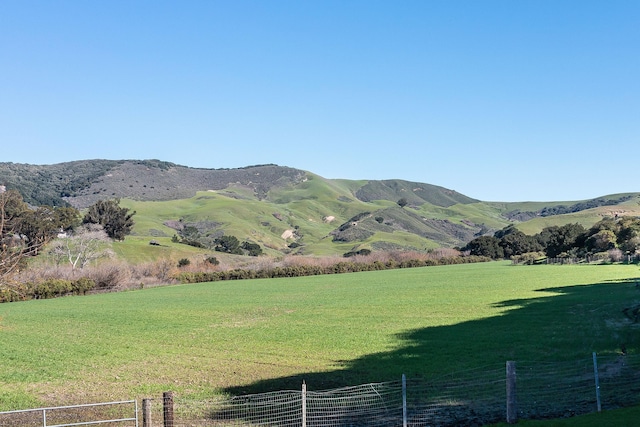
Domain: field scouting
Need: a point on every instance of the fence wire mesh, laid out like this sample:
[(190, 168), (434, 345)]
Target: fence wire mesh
[(462, 398), (111, 414), (378, 404)]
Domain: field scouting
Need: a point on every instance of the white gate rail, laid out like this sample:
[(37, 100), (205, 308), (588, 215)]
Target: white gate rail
[(51, 410)]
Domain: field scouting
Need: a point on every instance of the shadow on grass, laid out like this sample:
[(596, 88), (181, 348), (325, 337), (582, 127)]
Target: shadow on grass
[(565, 324)]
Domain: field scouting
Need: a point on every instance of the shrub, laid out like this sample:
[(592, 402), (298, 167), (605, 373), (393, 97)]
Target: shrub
[(297, 267), (183, 262), (14, 292), (82, 285), (212, 260), (363, 252), (528, 258), (110, 276), (253, 249), (51, 288), (615, 255)]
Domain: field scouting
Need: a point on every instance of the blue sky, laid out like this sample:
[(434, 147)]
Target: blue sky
[(500, 100)]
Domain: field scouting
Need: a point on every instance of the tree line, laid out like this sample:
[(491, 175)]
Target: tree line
[(25, 231), (618, 236), (191, 235)]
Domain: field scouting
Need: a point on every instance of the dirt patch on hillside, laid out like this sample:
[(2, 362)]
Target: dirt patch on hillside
[(288, 234)]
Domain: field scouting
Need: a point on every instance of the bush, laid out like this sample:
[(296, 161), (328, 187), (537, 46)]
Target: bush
[(183, 262), (14, 292), (82, 285), (253, 249), (363, 252), (52, 288), (528, 258), (110, 276), (212, 260), (615, 255), (332, 268)]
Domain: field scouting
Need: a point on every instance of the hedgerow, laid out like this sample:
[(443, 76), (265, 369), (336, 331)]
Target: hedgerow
[(48, 288), (53, 283), (315, 270)]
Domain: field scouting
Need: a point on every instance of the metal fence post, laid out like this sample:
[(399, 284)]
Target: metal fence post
[(167, 399), (512, 411), (404, 401), (304, 404), (595, 374)]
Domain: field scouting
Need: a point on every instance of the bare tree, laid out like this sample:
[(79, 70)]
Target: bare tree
[(88, 243)]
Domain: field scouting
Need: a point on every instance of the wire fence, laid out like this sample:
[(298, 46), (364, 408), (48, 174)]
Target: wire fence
[(108, 414), (465, 398), (475, 397)]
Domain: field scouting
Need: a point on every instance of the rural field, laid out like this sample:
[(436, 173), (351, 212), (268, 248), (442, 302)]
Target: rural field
[(235, 337)]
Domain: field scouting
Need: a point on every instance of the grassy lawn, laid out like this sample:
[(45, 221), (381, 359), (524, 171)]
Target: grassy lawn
[(334, 330), (627, 417)]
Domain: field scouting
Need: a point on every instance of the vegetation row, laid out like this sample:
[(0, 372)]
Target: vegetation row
[(610, 238), (315, 270), (71, 244)]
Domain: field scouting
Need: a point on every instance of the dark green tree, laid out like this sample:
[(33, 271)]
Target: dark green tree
[(403, 202), (37, 226), (629, 234), (559, 239), (602, 241), (67, 218), (15, 247), (228, 244), (488, 246), (515, 242), (117, 221), (253, 249), (191, 236)]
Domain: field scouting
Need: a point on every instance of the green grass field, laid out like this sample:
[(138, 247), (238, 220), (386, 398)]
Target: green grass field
[(627, 417), (334, 330)]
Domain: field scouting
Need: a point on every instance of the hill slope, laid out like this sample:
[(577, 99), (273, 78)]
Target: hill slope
[(290, 210)]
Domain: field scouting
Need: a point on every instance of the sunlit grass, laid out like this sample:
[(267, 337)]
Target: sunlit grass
[(627, 417), (206, 338)]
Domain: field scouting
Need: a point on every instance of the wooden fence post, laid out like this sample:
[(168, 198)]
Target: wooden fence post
[(167, 404), (512, 411), (146, 413)]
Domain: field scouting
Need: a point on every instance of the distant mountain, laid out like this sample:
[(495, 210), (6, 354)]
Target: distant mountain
[(292, 210), (82, 183)]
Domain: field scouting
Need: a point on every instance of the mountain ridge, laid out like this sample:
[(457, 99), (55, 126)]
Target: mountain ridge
[(270, 201)]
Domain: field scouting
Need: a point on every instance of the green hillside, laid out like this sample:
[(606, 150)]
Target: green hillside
[(587, 217), (291, 211)]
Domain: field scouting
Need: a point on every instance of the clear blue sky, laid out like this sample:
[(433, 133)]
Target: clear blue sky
[(508, 100)]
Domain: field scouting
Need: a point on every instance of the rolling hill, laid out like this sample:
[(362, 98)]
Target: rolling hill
[(288, 210)]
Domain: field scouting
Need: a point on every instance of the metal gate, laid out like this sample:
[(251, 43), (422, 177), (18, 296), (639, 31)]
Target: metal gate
[(124, 413)]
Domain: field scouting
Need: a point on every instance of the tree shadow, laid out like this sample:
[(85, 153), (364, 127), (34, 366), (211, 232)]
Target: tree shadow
[(564, 324)]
